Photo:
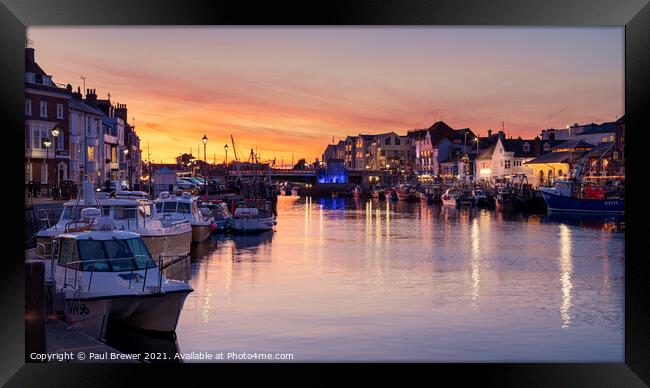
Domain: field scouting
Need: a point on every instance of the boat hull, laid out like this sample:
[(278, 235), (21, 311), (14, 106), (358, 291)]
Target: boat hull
[(561, 203), (177, 245), (91, 316), (159, 312), (201, 233), (245, 225)]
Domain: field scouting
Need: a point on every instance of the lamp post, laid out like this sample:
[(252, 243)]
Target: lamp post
[(225, 147), (205, 165), (476, 160), (128, 170), (55, 133), (47, 143)]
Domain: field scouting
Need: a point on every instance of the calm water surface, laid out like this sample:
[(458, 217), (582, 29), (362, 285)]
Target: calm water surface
[(345, 280)]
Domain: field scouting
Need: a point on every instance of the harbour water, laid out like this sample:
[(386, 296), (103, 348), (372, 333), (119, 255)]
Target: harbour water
[(346, 280)]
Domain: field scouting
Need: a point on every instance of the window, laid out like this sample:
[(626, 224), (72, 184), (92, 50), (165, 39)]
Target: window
[(526, 147), (93, 252), (28, 106), (59, 111), (559, 173), (67, 251), (91, 153), (387, 141), (122, 213), (43, 108), (141, 253), (611, 138), (397, 141), (547, 146), (184, 208), (27, 143), (59, 140), (44, 173), (507, 163), (169, 207)]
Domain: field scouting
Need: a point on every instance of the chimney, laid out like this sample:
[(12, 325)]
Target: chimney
[(121, 112), (29, 54), (68, 87), (502, 135), (77, 95), (91, 97), (537, 146), (489, 133)]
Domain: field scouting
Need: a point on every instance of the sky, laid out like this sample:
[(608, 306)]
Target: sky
[(286, 92)]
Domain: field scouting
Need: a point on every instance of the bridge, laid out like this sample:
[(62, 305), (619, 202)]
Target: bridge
[(279, 174)]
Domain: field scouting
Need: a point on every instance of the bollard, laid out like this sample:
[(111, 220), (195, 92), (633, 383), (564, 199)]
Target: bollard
[(35, 331)]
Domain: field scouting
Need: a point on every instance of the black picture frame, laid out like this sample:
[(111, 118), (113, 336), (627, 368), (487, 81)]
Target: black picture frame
[(15, 15)]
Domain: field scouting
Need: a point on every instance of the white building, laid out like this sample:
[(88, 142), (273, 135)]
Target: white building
[(86, 141)]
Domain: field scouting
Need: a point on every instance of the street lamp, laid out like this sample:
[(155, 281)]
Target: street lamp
[(55, 133), (476, 159), (47, 143), (128, 170), (225, 147), (205, 165)]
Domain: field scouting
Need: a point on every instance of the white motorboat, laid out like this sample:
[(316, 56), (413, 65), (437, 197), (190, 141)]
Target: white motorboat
[(104, 273), (253, 216), (450, 196), (163, 236), (184, 207)]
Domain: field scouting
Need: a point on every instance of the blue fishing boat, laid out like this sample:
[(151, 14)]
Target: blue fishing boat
[(569, 196)]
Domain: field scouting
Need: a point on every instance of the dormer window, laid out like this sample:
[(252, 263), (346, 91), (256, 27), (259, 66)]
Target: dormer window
[(526, 147), (547, 147), (30, 77)]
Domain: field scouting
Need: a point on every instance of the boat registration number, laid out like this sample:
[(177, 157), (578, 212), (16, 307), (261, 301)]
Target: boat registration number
[(611, 203), (78, 308)]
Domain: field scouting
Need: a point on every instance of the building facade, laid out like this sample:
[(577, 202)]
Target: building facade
[(47, 152)]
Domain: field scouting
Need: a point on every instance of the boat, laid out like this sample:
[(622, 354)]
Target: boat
[(104, 273), (504, 200), (465, 198), (407, 193), (379, 194), (253, 215), (392, 195), (480, 198), (576, 196), (184, 207), (219, 212), (427, 194), (449, 197), (360, 193), (163, 236)]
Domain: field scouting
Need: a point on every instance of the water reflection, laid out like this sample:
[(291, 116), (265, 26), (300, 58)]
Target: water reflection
[(343, 279), (566, 269), (476, 251)]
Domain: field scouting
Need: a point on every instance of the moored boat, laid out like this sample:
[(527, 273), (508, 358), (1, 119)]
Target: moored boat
[(450, 196), (574, 196), (407, 193), (253, 216), (184, 207), (103, 273), (163, 237)]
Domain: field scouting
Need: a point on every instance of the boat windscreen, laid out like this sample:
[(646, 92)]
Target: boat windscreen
[(184, 208), (114, 255), (169, 207)]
